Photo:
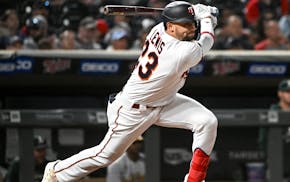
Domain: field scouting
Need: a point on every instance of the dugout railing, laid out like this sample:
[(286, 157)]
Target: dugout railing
[(52, 71), (26, 120)]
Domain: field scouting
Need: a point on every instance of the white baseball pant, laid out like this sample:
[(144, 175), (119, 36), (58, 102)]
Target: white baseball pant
[(127, 123)]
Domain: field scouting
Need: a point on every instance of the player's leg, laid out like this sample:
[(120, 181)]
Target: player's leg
[(187, 113), (125, 125)]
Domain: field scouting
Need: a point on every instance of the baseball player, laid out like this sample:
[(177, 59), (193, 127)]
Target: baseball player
[(150, 96)]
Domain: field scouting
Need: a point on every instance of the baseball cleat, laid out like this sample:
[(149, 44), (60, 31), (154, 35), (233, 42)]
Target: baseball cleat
[(186, 178), (49, 175)]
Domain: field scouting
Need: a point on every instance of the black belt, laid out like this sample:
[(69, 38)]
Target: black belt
[(137, 106), (112, 98)]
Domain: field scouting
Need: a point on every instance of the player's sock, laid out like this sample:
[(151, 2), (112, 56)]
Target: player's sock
[(198, 166)]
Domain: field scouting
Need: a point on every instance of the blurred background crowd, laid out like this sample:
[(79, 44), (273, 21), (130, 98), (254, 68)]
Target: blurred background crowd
[(80, 24)]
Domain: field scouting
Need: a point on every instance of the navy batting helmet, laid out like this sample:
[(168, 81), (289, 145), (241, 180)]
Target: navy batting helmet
[(178, 12)]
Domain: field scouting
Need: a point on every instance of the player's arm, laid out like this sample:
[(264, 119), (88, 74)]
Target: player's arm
[(206, 39), (208, 22), (204, 14)]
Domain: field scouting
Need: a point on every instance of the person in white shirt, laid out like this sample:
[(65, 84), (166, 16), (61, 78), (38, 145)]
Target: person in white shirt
[(130, 167)]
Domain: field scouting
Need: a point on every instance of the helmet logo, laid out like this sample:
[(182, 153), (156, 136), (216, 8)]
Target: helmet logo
[(190, 10)]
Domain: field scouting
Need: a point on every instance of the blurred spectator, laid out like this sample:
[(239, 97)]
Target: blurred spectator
[(62, 15), (40, 161), (15, 43), (87, 33), (130, 166), (9, 24), (37, 30), (122, 22), (258, 30), (119, 39), (48, 42), (225, 13), (67, 40), (284, 23), (118, 22), (255, 8), (233, 35), (30, 8), (274, 38)]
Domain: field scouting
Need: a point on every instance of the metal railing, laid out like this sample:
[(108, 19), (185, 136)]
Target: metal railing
[(26, 120)]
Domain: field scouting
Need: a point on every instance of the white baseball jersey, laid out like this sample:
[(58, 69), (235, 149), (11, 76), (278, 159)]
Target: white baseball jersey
[(162, 69), (126, 170)]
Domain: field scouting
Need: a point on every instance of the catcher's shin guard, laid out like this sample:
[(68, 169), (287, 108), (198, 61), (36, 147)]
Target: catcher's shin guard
[(198, 166)]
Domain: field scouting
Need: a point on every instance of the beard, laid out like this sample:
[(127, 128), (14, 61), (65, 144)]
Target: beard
[(188, 36)]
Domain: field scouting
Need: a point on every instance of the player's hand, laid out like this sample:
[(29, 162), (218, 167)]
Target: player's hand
[(203, 11), (214, 14)]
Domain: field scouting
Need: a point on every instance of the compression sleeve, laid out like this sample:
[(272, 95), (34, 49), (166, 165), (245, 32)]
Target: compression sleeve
[(206, 39)]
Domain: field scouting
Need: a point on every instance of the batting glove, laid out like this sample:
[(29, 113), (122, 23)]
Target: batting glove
[(214, 14), (202, 11)]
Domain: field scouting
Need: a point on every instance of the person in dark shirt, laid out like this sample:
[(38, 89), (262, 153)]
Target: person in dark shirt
[(284, 96), (283, 104), (274, 39), (40, 161), (233, 36)]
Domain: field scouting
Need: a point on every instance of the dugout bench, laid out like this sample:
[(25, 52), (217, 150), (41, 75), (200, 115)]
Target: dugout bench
[(26, 120)]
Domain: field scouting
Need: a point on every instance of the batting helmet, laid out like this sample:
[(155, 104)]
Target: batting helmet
[(178, 12)]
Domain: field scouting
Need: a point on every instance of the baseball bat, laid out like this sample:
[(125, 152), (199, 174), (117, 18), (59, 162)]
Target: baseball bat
[(130, 10)]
